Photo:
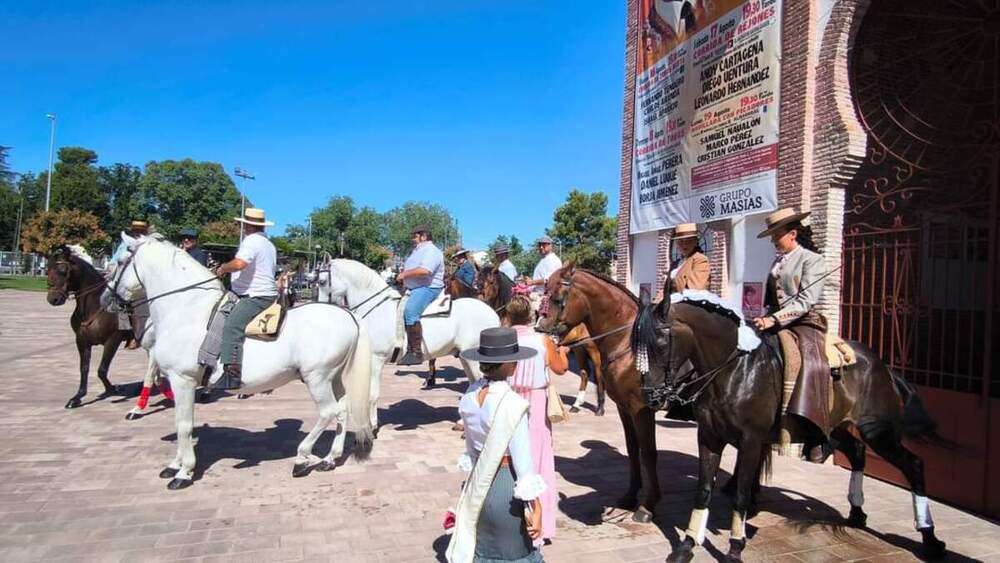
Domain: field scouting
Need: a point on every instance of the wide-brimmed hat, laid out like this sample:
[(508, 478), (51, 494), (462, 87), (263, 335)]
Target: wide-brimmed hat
[(501, 250), (685, 230), (254, 216), (498, 345), (459, 252), (544, 240), (137, 225), (189, 233), (781, 218), (420, 229)]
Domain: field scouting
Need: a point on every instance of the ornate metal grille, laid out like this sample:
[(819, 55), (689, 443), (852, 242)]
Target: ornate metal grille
[(920, 240)]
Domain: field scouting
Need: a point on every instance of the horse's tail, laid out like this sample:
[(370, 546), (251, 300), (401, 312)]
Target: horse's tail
[(918, 424), (357, 385)]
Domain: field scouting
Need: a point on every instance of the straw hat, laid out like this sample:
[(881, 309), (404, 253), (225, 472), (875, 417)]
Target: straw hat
[(460, 252), (138, 225), (498, 345), (685, 230), (254, 216), (782, 218)]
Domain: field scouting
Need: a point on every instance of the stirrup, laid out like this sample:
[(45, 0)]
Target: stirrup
[(229, 382)]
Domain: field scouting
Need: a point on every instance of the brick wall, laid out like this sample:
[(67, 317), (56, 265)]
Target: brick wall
[(623, 266), (798, 34)]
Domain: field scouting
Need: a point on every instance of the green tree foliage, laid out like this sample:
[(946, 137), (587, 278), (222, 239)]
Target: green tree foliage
[(178, 194), (10, 202), (220, 232), (49, 230), (362, 230), (584, 230), (120, 184), (399, 224), (524, 259), (76, 182)]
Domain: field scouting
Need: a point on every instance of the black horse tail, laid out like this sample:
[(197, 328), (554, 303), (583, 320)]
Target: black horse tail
[(644, 328), (918, 424)]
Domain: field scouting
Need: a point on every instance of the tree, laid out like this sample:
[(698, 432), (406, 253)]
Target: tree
[(583, 229), (10, 202), (121, 184), (220, 232), (362, 229), (399, 224), (48, 230), (76, 182), (523, 259), (178, 194)]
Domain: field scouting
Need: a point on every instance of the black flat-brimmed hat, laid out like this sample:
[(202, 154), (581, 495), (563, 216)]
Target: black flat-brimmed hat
[(780, 219), (498, 346)]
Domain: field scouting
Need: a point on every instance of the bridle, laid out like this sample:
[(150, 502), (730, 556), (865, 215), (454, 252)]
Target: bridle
[(128, 306), (347, 305)]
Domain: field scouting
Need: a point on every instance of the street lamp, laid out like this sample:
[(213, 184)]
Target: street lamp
[(52, 144), (243, 191), (310, 244)]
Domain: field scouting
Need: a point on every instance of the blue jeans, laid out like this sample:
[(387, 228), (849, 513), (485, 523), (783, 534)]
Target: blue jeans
[(420, 298)]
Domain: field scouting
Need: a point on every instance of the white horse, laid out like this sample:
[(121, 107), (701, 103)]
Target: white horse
[(362, 290), (324, 347)]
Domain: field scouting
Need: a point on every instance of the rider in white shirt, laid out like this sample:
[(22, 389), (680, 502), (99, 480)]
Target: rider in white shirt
[(548, 265), (503, 262)]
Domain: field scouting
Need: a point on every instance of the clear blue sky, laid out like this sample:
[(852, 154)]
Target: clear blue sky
[(493, 109)]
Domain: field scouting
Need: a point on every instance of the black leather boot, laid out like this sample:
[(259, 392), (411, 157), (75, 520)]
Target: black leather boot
[(414, 346), (232, 378)]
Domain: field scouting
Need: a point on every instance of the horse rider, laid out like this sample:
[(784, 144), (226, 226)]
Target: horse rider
[(253, 282), (137, 228), (423, 275), (466, 272), (189, 242), (794, 288), (548, 265), (502, 259), (693, 270)]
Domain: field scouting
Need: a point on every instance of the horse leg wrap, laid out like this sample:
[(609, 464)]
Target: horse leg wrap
[(738, 530), (697, 525), (165, 389), (580, 398), (922, 512), (143, 398), (855, 491)]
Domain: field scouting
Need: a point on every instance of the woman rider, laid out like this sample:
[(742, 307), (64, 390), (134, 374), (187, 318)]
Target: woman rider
[(794, 288)]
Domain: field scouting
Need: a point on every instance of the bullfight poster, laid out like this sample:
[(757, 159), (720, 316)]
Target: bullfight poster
[(706, 111)]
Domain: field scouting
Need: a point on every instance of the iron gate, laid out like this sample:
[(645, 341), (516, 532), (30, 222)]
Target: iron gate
[(920, 233)]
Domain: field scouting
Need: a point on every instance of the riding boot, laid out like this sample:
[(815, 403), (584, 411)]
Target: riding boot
[(414, 346), (232, 378)]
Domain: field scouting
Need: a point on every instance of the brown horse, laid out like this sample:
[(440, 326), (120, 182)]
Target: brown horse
[(496, 289), (608, 310), (457, 289), (736, 391), (582, 353), (69, 274)]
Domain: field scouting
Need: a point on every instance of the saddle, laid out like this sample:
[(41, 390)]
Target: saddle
[(267, 325), (440, 307)]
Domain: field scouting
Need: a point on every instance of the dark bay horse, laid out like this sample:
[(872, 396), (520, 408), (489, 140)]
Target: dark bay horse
[(737, 401), (608, 310), (457, 289), (69, 274), (496, 289)]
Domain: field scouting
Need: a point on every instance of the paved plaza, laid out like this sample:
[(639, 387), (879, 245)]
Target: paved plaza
[(82, 484)]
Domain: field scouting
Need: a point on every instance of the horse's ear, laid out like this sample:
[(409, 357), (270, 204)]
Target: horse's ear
[(569, 268)]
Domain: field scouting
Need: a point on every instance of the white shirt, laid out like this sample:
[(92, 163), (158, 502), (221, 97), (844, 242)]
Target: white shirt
[(548, 265), (508, 268), (780, 259), (257, 279), (429, 257)]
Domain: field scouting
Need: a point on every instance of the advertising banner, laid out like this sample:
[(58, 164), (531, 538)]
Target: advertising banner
[(706, 111)]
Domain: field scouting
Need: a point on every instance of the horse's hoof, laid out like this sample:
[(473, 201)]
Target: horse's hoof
[(857, 518), (599, 412), (326, 466), (167, 404), (458, 427), (574, 409), (301, 470), (133, 415), (178, 484), (684, 552), (642, 516), (736, 548), (169, 473), (244, 396), (205, 397), (933, 547), (628, 503), (73, 403)]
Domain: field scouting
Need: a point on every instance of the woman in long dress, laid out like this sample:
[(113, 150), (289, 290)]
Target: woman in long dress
[(530, 380), (499, 513)]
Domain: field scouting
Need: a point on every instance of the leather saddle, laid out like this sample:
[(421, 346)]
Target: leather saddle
[(267, 324)]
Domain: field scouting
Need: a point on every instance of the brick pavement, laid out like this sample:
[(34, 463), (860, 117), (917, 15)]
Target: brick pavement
[(82, 484)]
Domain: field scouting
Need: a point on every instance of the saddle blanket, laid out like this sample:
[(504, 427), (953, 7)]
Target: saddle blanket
[(211, 347)]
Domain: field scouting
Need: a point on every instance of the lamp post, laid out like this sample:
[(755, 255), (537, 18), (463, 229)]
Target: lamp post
[(310, 245), (243, 192), (52, 144)]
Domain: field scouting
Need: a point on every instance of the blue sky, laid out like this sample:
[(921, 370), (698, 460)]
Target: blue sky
[(493, 109)]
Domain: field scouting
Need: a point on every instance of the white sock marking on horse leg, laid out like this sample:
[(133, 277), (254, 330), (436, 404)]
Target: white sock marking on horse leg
[(697, 525), (922, 512), (855, 491), (580, 398), (738, 529)]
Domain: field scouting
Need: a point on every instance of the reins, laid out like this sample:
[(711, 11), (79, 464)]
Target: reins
[(674, 395)]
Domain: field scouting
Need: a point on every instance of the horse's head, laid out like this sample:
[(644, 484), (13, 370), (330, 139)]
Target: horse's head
[(488, 288), (564, 306), (330, 287), (125, 284), (63, 275)]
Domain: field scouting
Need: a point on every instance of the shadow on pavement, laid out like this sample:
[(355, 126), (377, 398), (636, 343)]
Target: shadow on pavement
[(411, 414)]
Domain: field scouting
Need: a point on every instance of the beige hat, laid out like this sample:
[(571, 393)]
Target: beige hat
[(685, 230), (253, 216), (138, 225), (782, 218)]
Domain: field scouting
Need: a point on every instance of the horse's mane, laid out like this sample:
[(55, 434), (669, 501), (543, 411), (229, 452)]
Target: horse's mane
[(80, 252), (359, 274), (608, 279)]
